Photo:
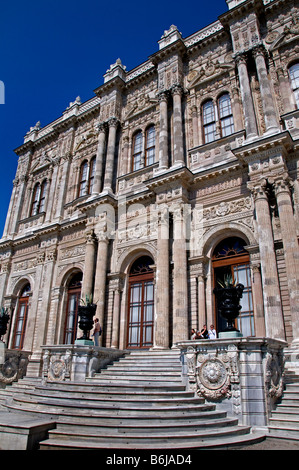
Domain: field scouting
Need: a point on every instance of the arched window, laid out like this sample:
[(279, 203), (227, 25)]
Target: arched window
[(294, 76), (92, 171), (150, 146), (73, 300), (219, 116), (39, 198), (230, 258), (137, 151), (141, 304), (225, 115), (83, 179), (209, 121), (86, 177), (21, 318)]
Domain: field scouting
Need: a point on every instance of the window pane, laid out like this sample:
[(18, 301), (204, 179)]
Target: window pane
[(150, 146), (294, 74), (208, 112), (224, 106), (35, 200), (83, 181), (92, 171), (245, 319), (137, 150), (42, 197), (150, 137), (210, 133), (227, 126)]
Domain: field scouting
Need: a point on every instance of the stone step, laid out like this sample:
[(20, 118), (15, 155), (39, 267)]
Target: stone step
[(84, 416), (129, 400), (152, 374), (97, 392), (117, 407), (140, 401), (237, 436), (145, 367), (132, 381), (145, 428), (281, 422), (148, 438)]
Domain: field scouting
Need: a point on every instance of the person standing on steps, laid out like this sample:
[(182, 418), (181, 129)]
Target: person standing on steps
[(97, 331)]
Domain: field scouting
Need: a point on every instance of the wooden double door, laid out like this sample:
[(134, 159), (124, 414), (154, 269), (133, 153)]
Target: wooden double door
[(141, 305)]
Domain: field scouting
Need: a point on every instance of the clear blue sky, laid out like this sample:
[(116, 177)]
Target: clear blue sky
[(53, 51)]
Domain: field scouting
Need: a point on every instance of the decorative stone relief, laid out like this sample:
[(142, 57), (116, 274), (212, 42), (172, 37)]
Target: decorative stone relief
[(274, 373), (214, 373), (14, 366)]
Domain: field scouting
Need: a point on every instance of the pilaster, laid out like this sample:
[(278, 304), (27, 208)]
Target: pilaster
[(271, 291)]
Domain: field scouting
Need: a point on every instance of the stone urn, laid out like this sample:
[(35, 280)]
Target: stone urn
[(228, 303), (86, 314), (4, 318)]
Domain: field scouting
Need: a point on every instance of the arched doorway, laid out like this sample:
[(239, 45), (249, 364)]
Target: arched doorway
[(73, 300), (231, 259), (21, 317), (141, 304)]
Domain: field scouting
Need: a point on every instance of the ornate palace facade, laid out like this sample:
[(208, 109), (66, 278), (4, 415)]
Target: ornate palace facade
[(174, 175)]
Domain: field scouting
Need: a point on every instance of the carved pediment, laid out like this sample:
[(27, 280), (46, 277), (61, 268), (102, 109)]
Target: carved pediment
[(143, 102), (208, 71), (86, 140), (289, 33), (45, 160)]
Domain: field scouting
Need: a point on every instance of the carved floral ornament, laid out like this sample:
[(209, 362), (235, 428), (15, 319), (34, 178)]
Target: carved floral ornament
[(213, 375)]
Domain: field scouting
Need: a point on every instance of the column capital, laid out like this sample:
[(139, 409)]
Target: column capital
[(163, 96), (89, 237), (282, 185), (177, 89), (240, 58), (259, 49), (101, 127), (113, 122), (258, 189)]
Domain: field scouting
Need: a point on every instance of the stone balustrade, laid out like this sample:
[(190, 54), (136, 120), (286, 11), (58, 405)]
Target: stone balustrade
[(63, 363), (243, 376)]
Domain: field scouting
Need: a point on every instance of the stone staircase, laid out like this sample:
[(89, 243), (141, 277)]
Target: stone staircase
[(284, 421), (138, 402)]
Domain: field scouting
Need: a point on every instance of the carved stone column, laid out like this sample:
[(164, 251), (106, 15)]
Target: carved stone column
[(271, 122), (180, 282), (163, 133), (284, 87), (161, 328), (195, 126), (100, 277), (65, 170), (117, 290), (178, 147), (291, 249), (201, 300), (89, 265), (108, 181), (247, 101), (124, 168), (271, 292), (100, 158), (257, 294)]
